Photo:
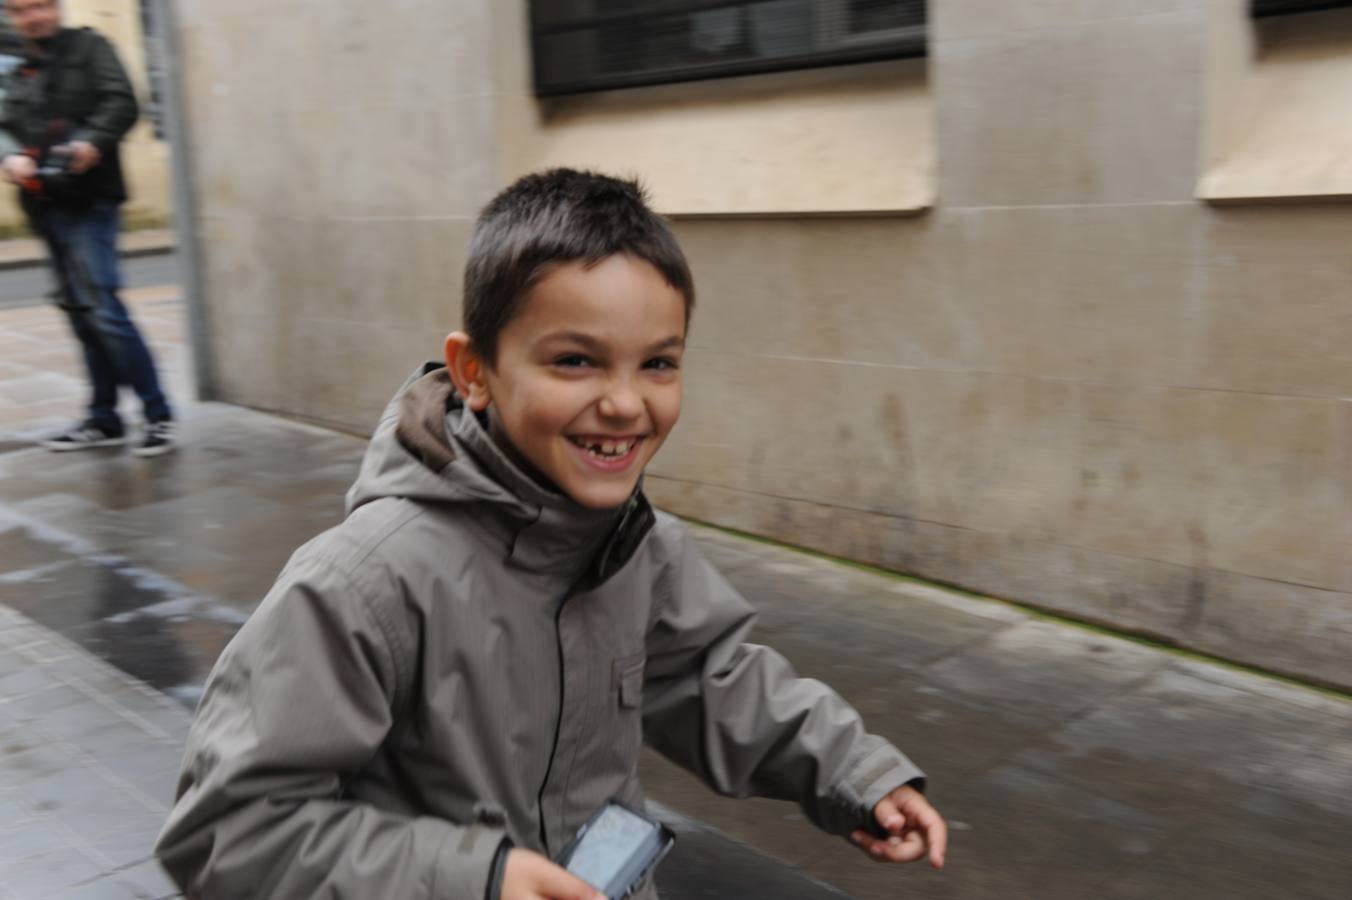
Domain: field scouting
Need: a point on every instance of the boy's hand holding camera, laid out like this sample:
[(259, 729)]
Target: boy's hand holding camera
[(530, 876), (914, 827)]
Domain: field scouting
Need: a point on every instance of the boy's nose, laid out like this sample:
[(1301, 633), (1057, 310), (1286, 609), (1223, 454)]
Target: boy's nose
[(621, 401)]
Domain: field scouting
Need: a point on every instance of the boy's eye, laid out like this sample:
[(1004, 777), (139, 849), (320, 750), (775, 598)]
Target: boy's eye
[(572, 361), (662, 363)]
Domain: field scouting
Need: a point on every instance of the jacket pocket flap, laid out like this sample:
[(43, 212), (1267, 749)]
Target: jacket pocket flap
[(627, 675)]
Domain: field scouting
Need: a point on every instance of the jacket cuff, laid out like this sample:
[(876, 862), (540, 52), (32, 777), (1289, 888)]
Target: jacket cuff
[(494, 889), (879, 774), (465, 862)]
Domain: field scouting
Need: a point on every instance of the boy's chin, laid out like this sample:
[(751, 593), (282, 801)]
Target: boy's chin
[(608, 496)]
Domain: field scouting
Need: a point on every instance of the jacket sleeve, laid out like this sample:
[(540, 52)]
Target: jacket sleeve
[(736, 715), (298, 703), (115, 107)]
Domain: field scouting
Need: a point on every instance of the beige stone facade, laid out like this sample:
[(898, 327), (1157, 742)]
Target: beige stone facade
[(965, 319)]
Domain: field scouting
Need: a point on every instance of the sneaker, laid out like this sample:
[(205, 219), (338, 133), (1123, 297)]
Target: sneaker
[(158, 438), (84, 436)]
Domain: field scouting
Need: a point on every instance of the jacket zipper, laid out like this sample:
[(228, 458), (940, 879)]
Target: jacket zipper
[(558, 646), (558, 726)]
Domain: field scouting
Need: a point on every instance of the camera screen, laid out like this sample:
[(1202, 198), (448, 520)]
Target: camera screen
[(612, 839)]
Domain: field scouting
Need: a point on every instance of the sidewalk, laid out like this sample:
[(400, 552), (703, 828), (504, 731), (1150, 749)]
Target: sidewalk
[(1070, 763), (88, 757)]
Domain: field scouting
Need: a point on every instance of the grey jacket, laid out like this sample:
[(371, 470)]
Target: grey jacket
[(469, 662)]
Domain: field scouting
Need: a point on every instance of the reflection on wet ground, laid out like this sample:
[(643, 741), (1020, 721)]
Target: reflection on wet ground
[(153, 564)]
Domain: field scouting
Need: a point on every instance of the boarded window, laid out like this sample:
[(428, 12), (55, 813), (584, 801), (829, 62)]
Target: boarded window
[(589, 45), (1282, 7)]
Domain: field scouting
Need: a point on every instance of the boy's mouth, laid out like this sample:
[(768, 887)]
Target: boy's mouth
[(609, 449), (607, 454)]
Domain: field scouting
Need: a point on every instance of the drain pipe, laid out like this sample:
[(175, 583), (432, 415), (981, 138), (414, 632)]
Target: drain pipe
[(185, 197)]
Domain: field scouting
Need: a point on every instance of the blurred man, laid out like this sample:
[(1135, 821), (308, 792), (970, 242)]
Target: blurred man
[(65, 113)]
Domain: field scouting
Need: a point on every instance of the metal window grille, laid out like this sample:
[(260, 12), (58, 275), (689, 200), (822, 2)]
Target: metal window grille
[(1283, 7), (590, 45)]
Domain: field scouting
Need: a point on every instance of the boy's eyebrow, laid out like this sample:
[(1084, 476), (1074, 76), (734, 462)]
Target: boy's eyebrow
[(671, 343), (591, 343)]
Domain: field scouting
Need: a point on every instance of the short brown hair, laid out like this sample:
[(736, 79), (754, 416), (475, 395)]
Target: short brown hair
[(552, 217)]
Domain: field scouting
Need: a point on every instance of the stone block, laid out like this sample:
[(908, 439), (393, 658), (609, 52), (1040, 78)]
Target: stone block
[(952, 20), (1211, 479), (965, 449), (1102, 112), (1271, 286)]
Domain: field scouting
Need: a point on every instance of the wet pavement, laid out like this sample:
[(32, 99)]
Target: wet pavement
[(1070, 763)]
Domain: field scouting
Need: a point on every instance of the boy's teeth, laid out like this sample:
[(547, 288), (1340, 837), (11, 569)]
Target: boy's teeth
[(608, 448)]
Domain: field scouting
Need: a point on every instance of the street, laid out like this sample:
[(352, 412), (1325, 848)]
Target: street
[(27, 285), (1070, 763)]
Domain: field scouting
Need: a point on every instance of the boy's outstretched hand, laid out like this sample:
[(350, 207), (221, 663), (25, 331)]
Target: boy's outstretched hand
[(916, 830), (530, 876)]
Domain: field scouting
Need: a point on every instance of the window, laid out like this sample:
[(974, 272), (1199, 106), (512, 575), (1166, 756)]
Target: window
[(154, 47), (1282, 7), (589, 45), (11, 55)]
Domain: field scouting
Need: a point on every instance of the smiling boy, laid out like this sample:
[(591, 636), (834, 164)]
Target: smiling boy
[(440, 690)]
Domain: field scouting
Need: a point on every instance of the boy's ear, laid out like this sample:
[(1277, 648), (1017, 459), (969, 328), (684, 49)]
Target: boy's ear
[(467, 370)]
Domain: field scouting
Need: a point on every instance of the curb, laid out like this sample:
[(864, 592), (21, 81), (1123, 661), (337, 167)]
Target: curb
[(27, 262)]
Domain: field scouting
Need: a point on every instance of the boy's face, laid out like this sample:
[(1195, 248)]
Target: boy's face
[(587, 381)]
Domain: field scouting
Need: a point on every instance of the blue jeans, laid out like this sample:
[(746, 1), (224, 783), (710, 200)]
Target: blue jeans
[(84, 259)]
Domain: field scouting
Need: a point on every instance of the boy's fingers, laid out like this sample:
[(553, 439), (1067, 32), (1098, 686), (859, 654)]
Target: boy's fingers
[(564, 885), (571, 889), (925, 818), (935, 828), (893, 850), (888, 816), (938, 843), (536, 876)]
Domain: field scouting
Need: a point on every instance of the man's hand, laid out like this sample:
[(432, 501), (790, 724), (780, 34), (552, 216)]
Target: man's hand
[(529, 876), (916, 830), (18, 168), (83, 156)]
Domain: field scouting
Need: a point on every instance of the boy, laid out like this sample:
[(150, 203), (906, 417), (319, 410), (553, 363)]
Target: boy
[(440, 690)]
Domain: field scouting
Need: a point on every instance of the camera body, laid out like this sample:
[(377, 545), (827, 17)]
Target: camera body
[(616, 849), (54, 178)]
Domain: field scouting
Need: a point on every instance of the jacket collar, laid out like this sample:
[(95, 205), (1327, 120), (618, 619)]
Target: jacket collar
[(431, 449), (550, 532)]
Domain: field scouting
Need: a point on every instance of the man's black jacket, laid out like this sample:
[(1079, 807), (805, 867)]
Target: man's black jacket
[(74, 90)]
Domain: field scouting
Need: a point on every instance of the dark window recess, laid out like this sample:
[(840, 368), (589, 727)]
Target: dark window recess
[(591, 45), (11, 54), (154, 46), (1283, 7)]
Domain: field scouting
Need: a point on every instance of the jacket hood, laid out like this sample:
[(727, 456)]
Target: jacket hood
[(429, 447)]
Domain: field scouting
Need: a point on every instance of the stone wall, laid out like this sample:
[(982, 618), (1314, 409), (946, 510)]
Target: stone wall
[(1068, 383)]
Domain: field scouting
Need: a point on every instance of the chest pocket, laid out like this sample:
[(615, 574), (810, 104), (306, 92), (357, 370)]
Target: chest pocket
[(626, 681), (627, 677)]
